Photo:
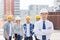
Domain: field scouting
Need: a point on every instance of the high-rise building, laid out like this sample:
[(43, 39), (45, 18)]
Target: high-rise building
[(33, 9), (1, 8), (12, 7), (36, 8), (8, 7), (16, 7)]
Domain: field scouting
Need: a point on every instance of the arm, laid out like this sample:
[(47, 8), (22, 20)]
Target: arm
[(50, 29), (5, 28), (36, 28), (5, 31), (23, 32)]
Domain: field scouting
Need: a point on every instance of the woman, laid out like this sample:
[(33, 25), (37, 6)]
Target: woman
[(18, 30)]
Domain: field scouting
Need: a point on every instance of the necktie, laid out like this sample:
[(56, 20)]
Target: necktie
[(44, 27), (43, 37)]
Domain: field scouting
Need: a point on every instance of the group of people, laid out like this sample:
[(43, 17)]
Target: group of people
[(42, 29)]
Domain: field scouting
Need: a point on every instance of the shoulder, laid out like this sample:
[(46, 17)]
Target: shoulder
[(49, 22), (24, 24), (36, 22), (14, 23), (39, 22), (32, 24), (5, 23)]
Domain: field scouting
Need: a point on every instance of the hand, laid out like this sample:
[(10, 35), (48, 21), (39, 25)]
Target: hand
[(7, 37), (13, 36)]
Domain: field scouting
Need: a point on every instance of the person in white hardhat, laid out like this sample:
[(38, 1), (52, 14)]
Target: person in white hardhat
[(18, 29), (45, 27), (17, 18), (44, 10)]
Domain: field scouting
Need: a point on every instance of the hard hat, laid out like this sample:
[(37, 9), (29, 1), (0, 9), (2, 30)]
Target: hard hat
[(10, 16), (37, 16), (44, 10), (27, 17), (17, 18)]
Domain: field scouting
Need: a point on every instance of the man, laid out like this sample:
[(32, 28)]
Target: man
[(28, 28), (8, 30), (45, 27), (37, 20)]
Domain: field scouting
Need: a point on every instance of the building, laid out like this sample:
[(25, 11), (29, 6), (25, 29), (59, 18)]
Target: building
[(51, 9), (1, 9), (57, 5), (24, 13), (8, 7), (33, 9), (12, 7), (16, 7), (36, 8)]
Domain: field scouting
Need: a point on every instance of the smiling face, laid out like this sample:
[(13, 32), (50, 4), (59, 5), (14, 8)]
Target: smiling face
[(44, 15)]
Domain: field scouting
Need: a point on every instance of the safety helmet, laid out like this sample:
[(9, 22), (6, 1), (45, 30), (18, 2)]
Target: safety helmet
[(17, 18)]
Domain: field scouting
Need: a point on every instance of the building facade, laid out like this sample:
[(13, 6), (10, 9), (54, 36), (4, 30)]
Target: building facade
[(16, 7), (1, 8), (11, 7), (8, 7)]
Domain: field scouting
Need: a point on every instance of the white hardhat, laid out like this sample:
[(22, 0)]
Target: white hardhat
[(17, 18), (43, 10)]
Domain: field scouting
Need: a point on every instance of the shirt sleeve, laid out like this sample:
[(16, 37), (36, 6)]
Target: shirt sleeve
[(5, 27), (36, 28), (50, 29)]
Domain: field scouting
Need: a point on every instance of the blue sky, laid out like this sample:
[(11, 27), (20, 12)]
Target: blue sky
[(25, 3)]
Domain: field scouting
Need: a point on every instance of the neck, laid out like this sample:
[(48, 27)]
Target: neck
[(44, 19), (9, 21), (28, 22), (18, 24)]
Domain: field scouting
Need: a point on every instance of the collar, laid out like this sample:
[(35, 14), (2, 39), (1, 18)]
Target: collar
[(43, 20)]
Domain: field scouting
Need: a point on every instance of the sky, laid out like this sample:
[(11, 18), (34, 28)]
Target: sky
[(24, 4)]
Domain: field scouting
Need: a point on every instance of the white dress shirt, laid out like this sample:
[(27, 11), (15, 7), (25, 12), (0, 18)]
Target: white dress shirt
[(10, 30), (35, 28), (39, 31), (28, 30)]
